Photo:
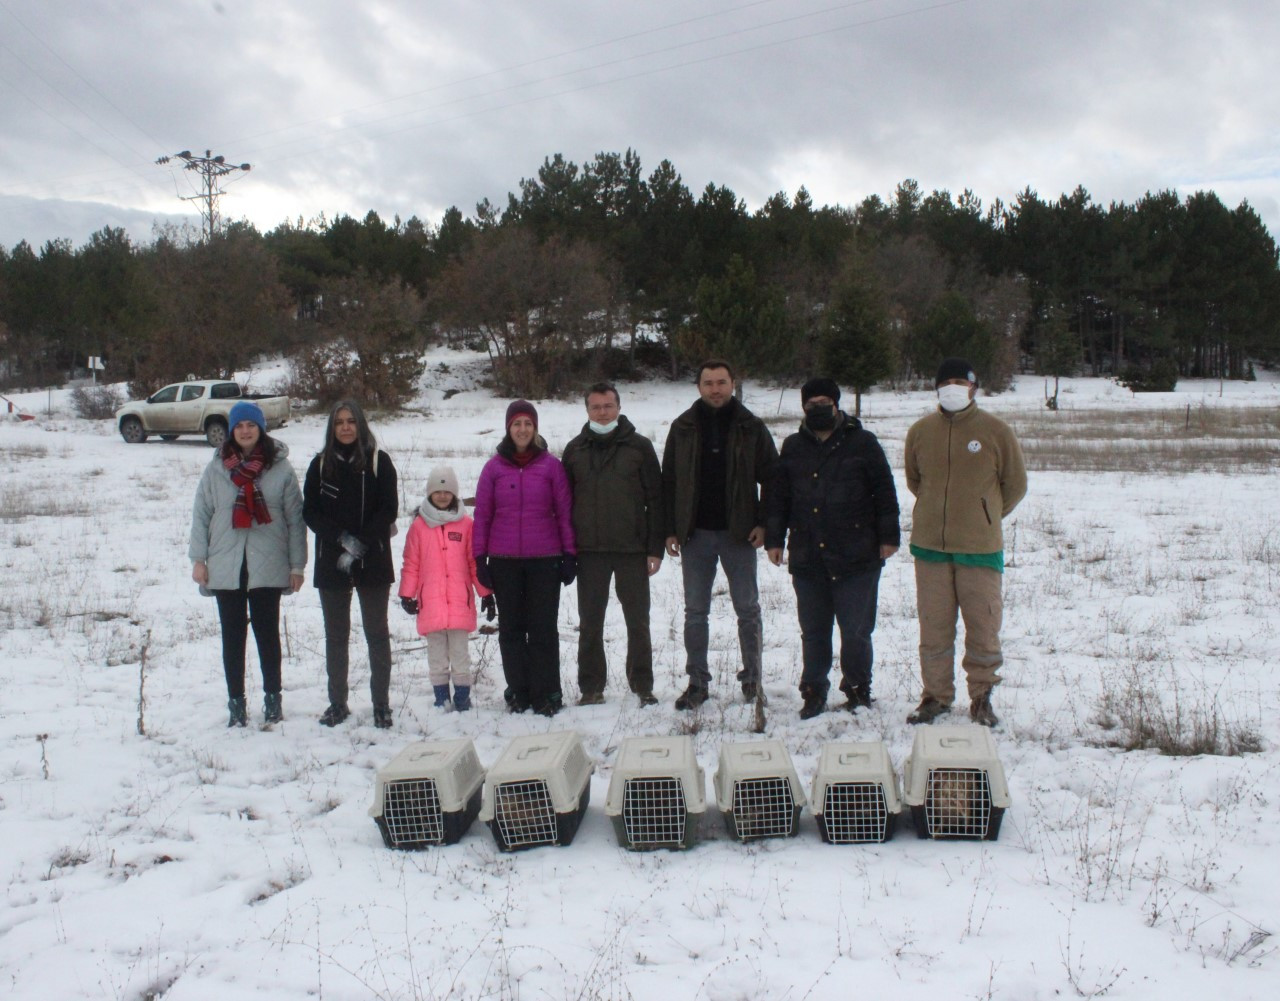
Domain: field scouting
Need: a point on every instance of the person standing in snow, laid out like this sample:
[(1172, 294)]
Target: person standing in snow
[(248, 546), (716, 470), (350, 501), (965, 468), (617, 523), (438, 586), (524, 547), (833, 492)]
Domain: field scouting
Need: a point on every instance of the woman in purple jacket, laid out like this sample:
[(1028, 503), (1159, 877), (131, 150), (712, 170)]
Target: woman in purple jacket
[(524, 549)]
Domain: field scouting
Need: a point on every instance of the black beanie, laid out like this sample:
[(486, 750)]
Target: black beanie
[(820, 387), (955, 368)]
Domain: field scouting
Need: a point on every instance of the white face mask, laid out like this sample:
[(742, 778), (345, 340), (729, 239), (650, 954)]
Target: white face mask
[(952, 398), (603, 428)]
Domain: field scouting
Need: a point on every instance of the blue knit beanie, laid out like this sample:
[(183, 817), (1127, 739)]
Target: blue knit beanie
[(246, 411)]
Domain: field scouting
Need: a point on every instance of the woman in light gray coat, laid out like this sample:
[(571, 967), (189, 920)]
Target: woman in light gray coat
[(248, 546)]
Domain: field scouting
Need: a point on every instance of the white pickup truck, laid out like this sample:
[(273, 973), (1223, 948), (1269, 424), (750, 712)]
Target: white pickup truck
[(197, 407)]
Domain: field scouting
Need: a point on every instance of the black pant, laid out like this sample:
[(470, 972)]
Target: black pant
[(335, 604), (630, 573), (850, 602), (528, 593), (235, 610)]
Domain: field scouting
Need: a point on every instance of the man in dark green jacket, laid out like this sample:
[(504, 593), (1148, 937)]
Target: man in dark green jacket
[(716, 468), (617, 520)]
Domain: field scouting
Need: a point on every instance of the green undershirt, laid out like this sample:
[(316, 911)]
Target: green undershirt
[(993, 560)]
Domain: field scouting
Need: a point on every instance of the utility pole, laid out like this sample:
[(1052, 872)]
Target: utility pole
[(211, 170)]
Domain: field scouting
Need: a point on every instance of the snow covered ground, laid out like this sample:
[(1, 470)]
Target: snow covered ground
[(192, 861)]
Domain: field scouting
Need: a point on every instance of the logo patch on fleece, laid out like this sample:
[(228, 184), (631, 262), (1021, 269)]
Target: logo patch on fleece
[(975, 446), (455, 536)]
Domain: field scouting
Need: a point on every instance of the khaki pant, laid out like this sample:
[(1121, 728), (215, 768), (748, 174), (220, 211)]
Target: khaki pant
[(448, 655), (941, 590)]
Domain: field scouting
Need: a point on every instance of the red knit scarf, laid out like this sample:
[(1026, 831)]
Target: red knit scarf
[(250, 506)]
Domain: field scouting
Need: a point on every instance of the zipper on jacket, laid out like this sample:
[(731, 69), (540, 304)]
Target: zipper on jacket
[(985, 511), (946, 490)]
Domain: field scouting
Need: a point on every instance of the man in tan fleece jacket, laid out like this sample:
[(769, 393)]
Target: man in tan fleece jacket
[(965, 468)]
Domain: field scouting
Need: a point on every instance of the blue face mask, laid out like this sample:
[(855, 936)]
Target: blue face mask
[(603, 428)]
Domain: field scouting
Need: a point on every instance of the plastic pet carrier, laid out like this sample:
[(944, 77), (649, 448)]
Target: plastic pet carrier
[(658, 793), (758, 791), (855, 799), (537, 791), (954, 783), (428, 794)]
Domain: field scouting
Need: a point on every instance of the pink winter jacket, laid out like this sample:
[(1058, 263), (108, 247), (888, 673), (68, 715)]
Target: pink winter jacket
[(440, 572), (525, 512)]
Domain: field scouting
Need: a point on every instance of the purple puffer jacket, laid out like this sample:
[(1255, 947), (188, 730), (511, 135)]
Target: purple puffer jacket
[(523, 512)]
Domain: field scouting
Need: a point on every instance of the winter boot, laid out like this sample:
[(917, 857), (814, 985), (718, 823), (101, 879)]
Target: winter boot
[(272, 711), (980, 710), (442, 695), (591, 699), (382, 717), (927, 711), (815, 702), (691, 698), (646, 699), (859, 697), (461, 698), (334, 715), (239, 715)]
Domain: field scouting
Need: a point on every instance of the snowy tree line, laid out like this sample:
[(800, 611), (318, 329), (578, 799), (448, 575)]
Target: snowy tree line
[(600, 269)]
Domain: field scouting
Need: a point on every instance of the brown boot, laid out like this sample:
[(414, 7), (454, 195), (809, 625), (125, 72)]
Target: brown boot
[(980, 710), (927, 711)]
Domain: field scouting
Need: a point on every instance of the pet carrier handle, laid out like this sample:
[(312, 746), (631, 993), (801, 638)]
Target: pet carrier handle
[(425, 755), (658, 752), (849, 757), (763, 755), (527, 752), (955, 742)]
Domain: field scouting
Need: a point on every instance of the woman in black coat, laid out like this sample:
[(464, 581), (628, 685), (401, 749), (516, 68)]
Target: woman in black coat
[(350, 501)]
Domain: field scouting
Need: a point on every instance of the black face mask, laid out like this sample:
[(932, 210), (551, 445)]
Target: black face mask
[(820, 417)]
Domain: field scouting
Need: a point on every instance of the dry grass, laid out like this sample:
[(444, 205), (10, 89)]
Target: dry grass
[(1187, 440)]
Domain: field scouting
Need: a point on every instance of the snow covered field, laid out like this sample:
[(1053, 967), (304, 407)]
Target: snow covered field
[(192, 861)]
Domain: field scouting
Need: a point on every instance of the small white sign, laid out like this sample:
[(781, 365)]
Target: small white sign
[(96, 364)]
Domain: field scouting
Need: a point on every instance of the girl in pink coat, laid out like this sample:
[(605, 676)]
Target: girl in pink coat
[(438, 585)]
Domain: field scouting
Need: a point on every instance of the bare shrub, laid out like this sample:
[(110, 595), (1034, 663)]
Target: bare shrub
[(1151, 710), (96, 403)]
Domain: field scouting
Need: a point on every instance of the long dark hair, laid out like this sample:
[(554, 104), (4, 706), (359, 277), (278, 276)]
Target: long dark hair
[(270, 448), (365, 441)]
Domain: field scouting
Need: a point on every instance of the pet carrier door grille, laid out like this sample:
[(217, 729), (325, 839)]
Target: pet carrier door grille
[(653, 811), (855, 812), (412, 813), (763, 808), (958, 803), (524, 814)]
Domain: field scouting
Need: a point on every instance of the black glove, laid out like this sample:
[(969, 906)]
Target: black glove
[(410, 605), (568, 569), (489, 607), (483, 575)]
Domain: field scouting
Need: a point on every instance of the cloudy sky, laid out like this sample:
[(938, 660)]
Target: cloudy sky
[(409, 106)]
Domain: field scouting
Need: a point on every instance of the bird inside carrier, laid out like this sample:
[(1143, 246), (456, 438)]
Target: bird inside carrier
[(537, 791), (954, 783), (855, 794), (428, 794), (758, 791), (657, 794)]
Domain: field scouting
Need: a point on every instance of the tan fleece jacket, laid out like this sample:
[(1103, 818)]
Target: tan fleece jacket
[(967, 474)]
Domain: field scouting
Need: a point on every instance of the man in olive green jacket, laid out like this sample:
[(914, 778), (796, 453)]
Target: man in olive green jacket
[(965, 468), (617, 520)]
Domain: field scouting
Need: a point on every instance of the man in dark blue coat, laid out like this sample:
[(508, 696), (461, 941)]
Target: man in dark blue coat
[(833, 492)]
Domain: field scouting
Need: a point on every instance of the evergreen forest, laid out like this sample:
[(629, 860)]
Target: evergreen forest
[(604, 270)]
